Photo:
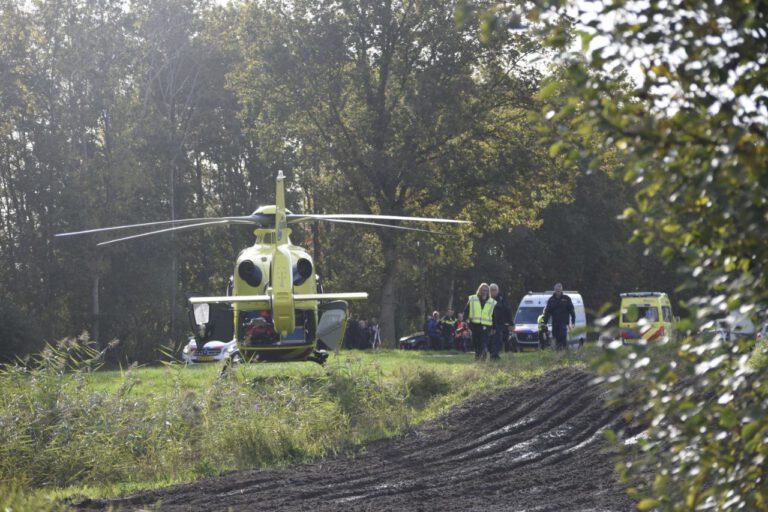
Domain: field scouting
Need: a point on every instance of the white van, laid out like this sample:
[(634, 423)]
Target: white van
[(532, 305)]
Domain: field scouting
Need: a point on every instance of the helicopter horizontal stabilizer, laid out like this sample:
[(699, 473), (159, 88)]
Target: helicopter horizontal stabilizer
[(230, 299), (266, 298), (331, 296)]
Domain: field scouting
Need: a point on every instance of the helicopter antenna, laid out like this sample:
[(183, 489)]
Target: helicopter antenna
[(281, 223)]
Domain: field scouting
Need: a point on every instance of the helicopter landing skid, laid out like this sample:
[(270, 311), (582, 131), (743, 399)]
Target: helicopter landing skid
[(319, 357)]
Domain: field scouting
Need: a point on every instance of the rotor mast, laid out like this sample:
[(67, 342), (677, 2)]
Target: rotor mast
[(281, 222)]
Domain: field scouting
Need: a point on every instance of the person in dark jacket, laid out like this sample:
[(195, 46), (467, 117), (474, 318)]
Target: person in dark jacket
[(433, 330), (502, 317), (448, 329), (560, 309)]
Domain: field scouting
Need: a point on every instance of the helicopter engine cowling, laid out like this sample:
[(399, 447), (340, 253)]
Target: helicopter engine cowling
[(250, 273), (302, 271)]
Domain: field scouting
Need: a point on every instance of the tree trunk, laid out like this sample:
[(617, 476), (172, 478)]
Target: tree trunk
[(95, 334), (388, 299), (451, 287)]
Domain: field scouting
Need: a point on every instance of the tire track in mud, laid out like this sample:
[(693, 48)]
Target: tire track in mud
[(538, 447)]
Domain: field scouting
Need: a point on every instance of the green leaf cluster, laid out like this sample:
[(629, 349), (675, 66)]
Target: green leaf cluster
[(676, 92)]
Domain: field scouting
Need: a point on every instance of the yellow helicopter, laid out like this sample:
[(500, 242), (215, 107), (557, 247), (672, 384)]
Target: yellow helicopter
[(275, 308)]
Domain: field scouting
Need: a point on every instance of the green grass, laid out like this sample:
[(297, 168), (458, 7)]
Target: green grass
[(67, 431)]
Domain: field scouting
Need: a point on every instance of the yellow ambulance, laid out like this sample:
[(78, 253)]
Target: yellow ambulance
[(646, 316)]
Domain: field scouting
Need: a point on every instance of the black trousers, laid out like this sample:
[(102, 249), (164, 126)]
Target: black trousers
[(480, 338), (560, 332)]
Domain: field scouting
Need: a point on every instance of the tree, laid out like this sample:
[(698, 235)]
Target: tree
[(693, 134), (404, 108)]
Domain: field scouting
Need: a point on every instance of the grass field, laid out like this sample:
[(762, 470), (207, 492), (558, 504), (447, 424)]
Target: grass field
[(68, 431)]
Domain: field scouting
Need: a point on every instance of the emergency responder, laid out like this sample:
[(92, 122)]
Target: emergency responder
[(560, 309), (502, 318), (480, 310), (433, 330), (544, 339), (448, 329)]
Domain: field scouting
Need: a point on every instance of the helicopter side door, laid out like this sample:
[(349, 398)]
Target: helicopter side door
[(212, 322), (332, 324)]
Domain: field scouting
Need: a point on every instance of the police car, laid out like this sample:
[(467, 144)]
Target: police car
[(532, 305)]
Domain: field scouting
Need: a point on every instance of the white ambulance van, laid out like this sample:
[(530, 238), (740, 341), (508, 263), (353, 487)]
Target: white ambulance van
[(532, 305)]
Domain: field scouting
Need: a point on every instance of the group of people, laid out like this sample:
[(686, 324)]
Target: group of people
[(362, 333), (483, 326), (486, 323)]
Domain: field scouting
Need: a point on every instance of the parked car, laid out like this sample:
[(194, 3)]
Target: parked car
[(646, 316), (526, 319), (415, 341), (213, 339), (211, 351)]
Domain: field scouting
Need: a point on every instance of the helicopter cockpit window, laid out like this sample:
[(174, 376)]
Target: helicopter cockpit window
[(268, 238)]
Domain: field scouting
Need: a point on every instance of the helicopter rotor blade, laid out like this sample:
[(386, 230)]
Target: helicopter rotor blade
[(253, 219), (390, 226), (176, 228), (355, 216)]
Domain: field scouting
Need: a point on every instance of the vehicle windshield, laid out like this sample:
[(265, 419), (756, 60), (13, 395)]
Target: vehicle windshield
[(635, 313), (528, 315)]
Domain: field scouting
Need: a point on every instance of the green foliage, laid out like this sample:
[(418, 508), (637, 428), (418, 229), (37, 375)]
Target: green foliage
[(19, 335), (704, 409), (15, 499), (690, 133)]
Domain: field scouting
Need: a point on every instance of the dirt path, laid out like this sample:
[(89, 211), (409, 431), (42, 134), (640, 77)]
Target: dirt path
[(537, 447)]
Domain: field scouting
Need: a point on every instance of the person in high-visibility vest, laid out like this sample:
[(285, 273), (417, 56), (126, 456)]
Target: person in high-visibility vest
[(479, 311), (543, 332)]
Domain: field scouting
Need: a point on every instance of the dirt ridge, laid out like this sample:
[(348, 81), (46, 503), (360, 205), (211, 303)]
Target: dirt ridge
[(538, 447)]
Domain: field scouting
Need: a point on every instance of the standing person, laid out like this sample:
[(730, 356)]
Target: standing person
[(375, 334), (502, 317), (433, 330), (560, 309), (543, 331), (362, 334), (479, 310), (463, 336), (448, 328)]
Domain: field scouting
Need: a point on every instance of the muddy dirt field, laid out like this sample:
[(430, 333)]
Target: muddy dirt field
[(537, 447)]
